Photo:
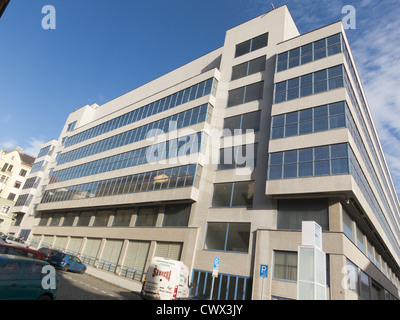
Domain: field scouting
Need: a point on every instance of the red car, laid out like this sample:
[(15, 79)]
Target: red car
[(20, 251)]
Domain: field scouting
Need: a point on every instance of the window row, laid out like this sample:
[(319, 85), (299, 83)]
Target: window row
[(173, 148), (194, 92), (178, 177), (131, 261), (174, 215), (251, 92), (378, 170), (362, 284), (44, 151), (251, 45), (233, 194), (309, 162), (322, 118), (309, 84), (37, 166), (24, 200), (248, 68), (177, 121), (238, 157), (32, 183), (354, 233), (310, 52), (371, 198), (7, 167)]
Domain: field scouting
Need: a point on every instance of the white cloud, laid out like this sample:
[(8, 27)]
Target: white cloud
[(33, 146), (8, 144)]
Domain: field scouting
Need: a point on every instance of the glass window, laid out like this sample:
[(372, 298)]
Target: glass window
[(294, 58), (146, 217), (216, 236), (242, 194), (360, 239), (233, 194), (352, 277), (259, 42), (254, 91), (257, 65), (122, 218), (306, 53), (348, 228), (222, 195), (242, 48), (231, 124), (238, 237), (32, 271), (226, 159), (236, 97), (9, 271), (282, 62), (239, 71), (84, 218), (365, 286), (285, 265), (251, 121), (69, 219), (291, 213), (177, 215), (226, 236), (320, 49)]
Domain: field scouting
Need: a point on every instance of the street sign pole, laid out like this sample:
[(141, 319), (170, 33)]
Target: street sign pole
[(214, 275), (263, 275)]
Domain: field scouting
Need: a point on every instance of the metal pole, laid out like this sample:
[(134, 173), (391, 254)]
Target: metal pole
[(212, 288), (262, 289)]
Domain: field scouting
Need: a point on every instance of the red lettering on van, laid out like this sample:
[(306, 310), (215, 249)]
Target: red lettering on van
[(165, 274)]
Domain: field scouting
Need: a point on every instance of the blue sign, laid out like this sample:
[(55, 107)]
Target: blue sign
[(216, 263), (263, 271)]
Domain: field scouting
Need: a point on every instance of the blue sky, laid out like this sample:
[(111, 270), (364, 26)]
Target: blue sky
[(102, 49)]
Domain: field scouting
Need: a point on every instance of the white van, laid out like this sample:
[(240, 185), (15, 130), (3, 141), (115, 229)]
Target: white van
[(166, 279)]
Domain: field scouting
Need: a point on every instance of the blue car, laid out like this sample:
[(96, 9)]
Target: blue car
[(67, 262)]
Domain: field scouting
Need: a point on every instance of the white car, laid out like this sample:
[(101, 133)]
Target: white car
[(13, 241)]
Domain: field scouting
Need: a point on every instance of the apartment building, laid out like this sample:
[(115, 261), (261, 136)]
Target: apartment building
[(15, 165), (224, 158), (24, 211)]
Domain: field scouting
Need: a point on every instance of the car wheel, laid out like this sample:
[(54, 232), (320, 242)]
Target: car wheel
[(45, 297), (65, 268), (82, 271)]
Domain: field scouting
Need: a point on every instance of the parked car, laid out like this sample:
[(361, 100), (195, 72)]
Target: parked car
[(16, 242), (20, 251), (47, 253), (68, 262), (21, 279)]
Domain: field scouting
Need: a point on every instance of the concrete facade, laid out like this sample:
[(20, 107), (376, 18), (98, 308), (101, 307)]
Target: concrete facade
[(245, 215)]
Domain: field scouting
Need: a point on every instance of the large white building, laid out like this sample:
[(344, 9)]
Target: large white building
[(14, 168), (164, 170)]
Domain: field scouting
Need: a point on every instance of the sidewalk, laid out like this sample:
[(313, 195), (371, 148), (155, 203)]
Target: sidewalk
[(114, 279)]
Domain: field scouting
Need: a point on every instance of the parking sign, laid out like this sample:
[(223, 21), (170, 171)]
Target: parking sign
[(216, 263), (263, 271)]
